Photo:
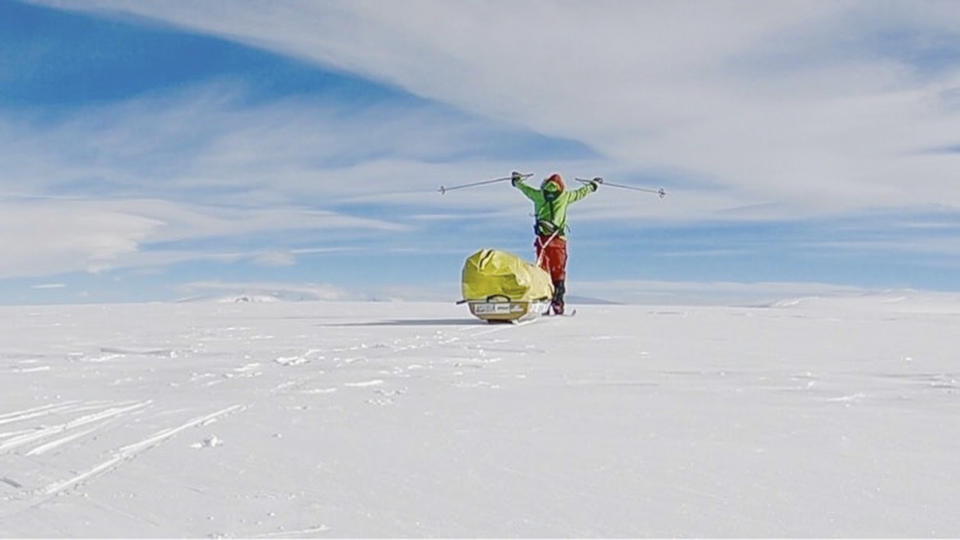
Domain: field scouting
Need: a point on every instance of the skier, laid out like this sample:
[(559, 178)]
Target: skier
[(550, 203)]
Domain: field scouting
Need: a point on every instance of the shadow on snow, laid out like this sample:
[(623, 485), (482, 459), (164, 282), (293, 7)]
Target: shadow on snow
[(415, 322)]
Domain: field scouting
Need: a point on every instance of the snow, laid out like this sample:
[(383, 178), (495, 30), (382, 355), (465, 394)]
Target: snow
[(814, 417)]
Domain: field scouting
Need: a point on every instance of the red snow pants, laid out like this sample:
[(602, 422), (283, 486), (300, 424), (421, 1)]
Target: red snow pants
[(553, 257)]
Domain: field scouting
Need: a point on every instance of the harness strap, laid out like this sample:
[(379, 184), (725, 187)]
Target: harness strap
[(543, 245)]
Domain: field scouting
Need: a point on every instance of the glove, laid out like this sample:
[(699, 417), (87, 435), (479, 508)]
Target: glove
[(598, 180), (595, 183), (515, 178)]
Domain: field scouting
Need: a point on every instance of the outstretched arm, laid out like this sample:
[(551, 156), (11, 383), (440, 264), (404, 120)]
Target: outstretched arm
[(587, 189), (532, 193)]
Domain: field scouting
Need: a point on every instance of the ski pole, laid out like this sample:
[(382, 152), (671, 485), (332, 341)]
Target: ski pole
[(444, 189), (661, 192)]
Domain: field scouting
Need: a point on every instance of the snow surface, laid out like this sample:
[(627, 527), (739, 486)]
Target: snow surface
[(816, 417)]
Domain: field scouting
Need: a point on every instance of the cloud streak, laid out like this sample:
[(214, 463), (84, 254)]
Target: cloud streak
[(48, 237), (801, 112), (803, 104), (112, 186), (49, 286)]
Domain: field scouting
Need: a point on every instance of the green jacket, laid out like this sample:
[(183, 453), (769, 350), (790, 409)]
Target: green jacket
[(554, 211)]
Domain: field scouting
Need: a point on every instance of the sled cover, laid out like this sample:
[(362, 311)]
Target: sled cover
[(491, 273)]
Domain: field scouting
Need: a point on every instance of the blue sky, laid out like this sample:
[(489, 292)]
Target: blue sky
[(161, 150)]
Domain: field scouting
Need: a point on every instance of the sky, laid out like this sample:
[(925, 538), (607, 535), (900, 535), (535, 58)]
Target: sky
[(176, 149)]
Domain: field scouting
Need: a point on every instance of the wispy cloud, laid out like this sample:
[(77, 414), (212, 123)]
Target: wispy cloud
[(49, 286), (47, 237), (43, 238), (940, 246), (798, 113), (111, 186), (704, 253), (808, 104)]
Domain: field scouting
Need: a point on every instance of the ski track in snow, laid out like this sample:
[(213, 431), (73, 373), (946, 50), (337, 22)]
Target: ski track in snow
[(364, 384), (46, 447), (310, 530), (364, 352), (32, 369), (118, 457), (12, 483), (316, 378), (43, 410), (41, 440), (57, 435), (57, 429), (44, 439)]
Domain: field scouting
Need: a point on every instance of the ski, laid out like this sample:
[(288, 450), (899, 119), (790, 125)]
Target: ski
[(570, 313)]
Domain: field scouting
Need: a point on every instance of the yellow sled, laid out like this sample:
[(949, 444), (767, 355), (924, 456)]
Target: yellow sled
[(501, 287)]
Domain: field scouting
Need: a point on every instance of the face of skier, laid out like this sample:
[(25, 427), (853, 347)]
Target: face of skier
[(551, 188)]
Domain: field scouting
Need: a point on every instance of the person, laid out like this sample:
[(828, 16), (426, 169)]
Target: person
[(550, 228)]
